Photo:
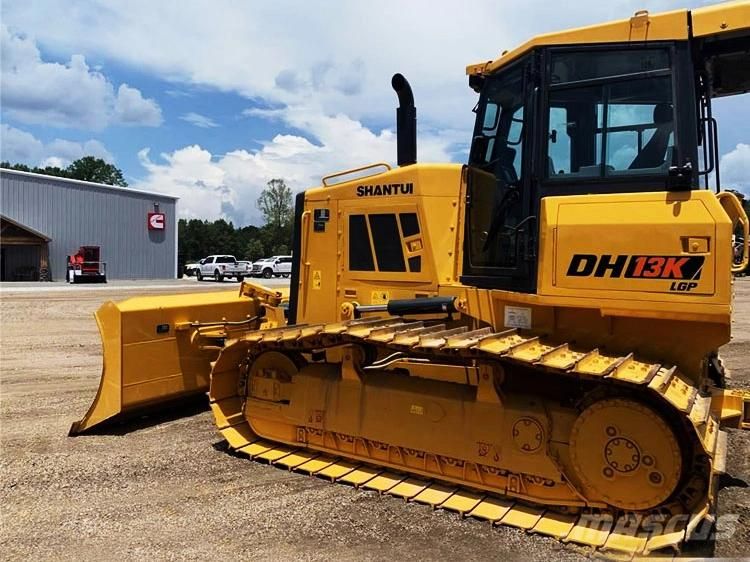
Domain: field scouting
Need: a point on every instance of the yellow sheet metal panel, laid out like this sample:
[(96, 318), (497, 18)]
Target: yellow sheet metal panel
[(596, 363), (384, 482), (336, 470), (316, 465), (492, 509), (359, 476), (228, 412), (275, 454), (671, 536), (328, 285), (594, 248), (725, 17), (561, 358), (627, 536), (296, 459), (223, 385), (634, 371), (257, 448), (435, 494), (522, 516), (408, 488), (138, 357), (701, 410), (556, 525), (680, 392), (601, 245), (657, 27), (149, 356), (590, 529), (108, 400), (462, 502), (239, 436)]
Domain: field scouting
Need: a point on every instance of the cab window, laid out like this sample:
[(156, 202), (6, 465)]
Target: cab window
[(610, 114)]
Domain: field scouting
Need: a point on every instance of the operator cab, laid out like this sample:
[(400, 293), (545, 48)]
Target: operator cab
[(580, 119)]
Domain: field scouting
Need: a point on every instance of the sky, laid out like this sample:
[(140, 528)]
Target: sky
[(210, 100)]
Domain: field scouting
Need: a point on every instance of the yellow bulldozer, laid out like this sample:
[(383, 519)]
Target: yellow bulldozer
[(530, 338)]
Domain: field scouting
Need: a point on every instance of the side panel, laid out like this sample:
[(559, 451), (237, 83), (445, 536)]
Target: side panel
[(726, 17), (317, 256), (660, 247), (406, 240)]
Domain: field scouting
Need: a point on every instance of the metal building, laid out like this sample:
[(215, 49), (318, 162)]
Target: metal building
[(44, 219)]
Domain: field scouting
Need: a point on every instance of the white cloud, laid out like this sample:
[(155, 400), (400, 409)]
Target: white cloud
[(131, 108), (290, 52), (735, 169), (65, 95), (199, 120), (228, 185), (17, 146), (178, 93)]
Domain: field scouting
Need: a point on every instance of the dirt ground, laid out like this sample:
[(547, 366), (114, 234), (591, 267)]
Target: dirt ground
[(172, 492)]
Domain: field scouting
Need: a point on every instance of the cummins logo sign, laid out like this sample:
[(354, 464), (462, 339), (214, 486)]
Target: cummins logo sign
[(156, 221)]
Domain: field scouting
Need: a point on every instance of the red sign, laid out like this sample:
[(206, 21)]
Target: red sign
[(156, 221)]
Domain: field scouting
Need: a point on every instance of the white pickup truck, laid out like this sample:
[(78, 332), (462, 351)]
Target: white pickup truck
[(191, 269), (220, 266), (278, 266)]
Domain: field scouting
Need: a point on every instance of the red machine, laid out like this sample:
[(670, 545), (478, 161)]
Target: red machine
[(86, 266)]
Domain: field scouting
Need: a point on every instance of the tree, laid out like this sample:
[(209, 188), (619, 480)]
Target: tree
[(19, 167), (87, 168), (96, 170), (275, 202), (254, 250)]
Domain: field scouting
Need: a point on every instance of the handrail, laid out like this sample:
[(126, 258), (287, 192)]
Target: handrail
[(355, 170), (741, 217)]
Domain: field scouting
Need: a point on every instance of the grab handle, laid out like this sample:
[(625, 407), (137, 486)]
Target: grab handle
[(737, 214)]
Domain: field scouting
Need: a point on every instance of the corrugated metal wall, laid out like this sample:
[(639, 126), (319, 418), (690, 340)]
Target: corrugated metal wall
[(77, 214)]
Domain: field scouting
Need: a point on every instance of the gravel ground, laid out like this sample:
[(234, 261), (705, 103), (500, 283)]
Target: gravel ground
[(172, 492)]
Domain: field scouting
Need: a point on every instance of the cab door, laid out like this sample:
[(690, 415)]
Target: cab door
[(207, 267), (500, 235)]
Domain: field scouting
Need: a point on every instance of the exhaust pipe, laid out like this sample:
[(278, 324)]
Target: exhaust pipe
[(406, 122)]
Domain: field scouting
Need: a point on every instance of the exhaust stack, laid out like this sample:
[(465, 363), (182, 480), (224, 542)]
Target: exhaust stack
[(406, 122)]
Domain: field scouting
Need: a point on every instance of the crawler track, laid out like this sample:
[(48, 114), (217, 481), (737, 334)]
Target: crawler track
[(466, 487)]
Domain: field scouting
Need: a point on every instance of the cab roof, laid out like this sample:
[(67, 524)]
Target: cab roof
[(719, 19)]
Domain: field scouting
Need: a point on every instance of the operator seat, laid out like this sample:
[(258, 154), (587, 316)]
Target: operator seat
[(652, 155), (506, 171)]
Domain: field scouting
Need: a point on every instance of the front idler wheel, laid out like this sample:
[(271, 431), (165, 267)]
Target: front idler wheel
[(625, 454)]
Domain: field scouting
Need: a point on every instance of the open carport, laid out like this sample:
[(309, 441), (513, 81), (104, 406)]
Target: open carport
[(24, 252)]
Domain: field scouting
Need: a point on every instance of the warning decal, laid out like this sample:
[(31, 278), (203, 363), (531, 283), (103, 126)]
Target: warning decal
[(380, 297)]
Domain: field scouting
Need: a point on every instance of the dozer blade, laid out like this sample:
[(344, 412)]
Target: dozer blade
[(157, 351)]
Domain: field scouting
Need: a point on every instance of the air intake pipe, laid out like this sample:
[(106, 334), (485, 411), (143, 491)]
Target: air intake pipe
[(406, 122)]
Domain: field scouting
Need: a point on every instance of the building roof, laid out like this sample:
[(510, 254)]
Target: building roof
[(25, 228), (726, 17), (126, 190)]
